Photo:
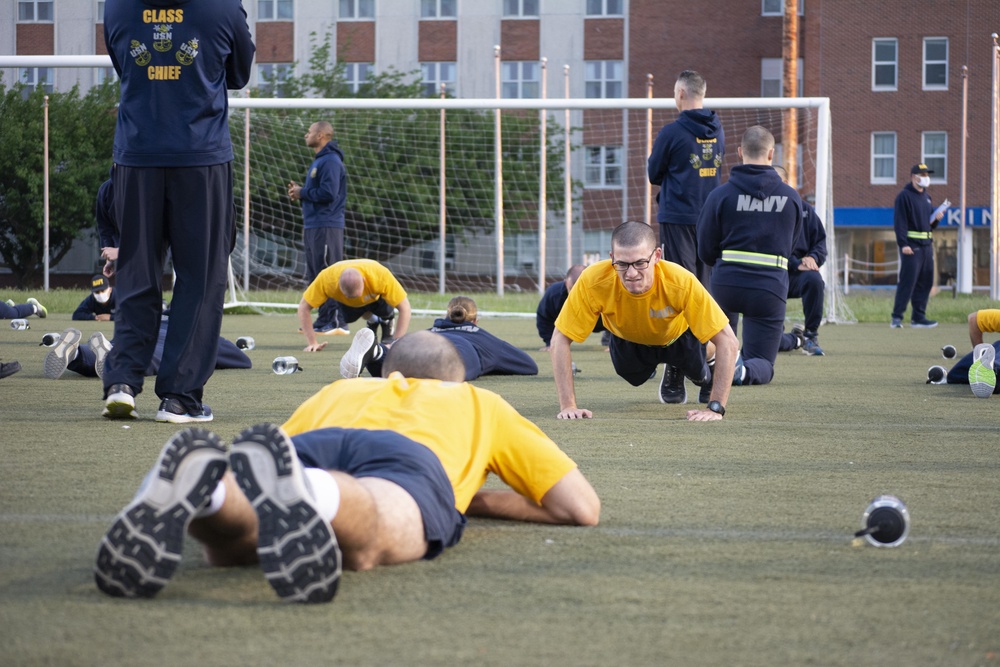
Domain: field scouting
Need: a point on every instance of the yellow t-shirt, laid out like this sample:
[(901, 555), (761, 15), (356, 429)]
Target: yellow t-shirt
[(471, 430), (675, 302), (379, 282), (988, 320)]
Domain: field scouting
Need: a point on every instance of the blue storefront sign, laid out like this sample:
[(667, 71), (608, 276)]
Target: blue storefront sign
[(845, 216)]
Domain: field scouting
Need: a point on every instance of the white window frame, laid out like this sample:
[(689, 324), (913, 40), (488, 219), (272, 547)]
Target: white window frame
[(354, 12), (431, 75), (772, 69), (604, 11), (932, 159), (519, 11), (608, 158), (603, 78), (780, 11), (29, 76), (884, 180), (267, 70), (275, 15), (99, 11), (439, 12), (926, 63), (877, 63), (34, 11), (353, 74), (520, 81)]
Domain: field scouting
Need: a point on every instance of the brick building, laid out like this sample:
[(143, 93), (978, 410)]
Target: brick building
[(893, 71)]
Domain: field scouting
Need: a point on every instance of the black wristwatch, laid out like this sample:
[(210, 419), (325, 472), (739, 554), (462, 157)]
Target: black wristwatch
[(717, 408)]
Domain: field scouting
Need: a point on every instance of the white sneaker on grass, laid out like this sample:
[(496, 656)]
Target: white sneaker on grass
[(982, 376), (100, 346), (62, 353)]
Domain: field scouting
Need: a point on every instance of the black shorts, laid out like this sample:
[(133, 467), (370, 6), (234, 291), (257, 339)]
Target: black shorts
[(393, 457), (380, 308)]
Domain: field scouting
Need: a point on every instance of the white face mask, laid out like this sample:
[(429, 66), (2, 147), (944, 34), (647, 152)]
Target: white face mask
[(923, 181), (102, 297)]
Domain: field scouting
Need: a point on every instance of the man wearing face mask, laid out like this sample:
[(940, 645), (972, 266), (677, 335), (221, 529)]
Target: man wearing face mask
[(100, 304), (913, 218)]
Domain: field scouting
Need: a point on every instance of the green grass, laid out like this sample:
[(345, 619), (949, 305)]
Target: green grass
[(726, 543)]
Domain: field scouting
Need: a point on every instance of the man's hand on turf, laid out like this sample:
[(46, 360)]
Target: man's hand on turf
[(315, 347), (574, 413), (703, 416)]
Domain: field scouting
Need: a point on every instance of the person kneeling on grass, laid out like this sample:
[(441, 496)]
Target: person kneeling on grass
[(482, 353), (366, 472), (977, 368)]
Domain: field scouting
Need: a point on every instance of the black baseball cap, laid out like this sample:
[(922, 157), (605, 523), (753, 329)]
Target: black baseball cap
[(920, 169), (98, 283)]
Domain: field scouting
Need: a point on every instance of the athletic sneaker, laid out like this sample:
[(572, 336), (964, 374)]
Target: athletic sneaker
[(672, 388), (333, 331), (141, 550), (298, 550), (896, 323), (100, 347), (10, 302), (8, 368), (936, 375), (740, 372), (173, 411), (40, 310), (62, 353), (705, 392), (120, 403), (923, 324), (982, 376), (812, 348), (799, 331), (362, 350)]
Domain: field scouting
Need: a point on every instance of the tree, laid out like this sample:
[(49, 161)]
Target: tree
[(81, 132)]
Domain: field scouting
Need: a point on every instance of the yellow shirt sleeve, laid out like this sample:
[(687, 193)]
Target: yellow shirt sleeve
[(379, 282), (988, 320)]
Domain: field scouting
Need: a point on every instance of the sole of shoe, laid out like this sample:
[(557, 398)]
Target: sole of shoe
[(141, 550), (297, 549), (923, 325), (100, 347), (58, 357), (120, 405), (982, 377), (166, 416), (40, 310), (351, 364)]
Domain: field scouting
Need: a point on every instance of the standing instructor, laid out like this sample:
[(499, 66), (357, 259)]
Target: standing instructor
[(173, 189)]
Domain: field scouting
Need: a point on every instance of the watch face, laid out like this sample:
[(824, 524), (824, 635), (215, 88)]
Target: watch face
[(716, 407)]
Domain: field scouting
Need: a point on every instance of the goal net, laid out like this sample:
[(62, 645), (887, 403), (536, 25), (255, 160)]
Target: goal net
[(472, 195)]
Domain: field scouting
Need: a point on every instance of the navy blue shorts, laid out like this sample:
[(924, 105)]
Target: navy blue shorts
[(393, 457), (380, 308)]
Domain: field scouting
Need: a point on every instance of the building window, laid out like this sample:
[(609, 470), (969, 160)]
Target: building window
[(884, 63), (934, 153), (520, 9), (935, 63), (604, 7), (437, 9), (777, 7), (604, 167), (274, 10), (355, 74), (34, 10), (772, 77), (519, 80), (357, 9), (271, 78), (104, 74), (100, 11), (883, 157), (604, 78), (434, 74), (35, 77)]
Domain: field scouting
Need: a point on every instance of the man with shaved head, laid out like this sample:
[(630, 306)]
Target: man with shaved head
[(324, 199), (361, 288), (367, 472)]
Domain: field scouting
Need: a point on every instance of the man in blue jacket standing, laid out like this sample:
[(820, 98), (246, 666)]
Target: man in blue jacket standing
[(324, 198), (686, 163), (173, 188), (914, 218), (746, 231)]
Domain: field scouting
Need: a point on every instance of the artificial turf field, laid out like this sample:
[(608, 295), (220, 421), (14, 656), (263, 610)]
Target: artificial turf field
[(724, 543)]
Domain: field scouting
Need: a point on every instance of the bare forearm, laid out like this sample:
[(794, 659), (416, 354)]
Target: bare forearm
[(509, 505), (975, 333)]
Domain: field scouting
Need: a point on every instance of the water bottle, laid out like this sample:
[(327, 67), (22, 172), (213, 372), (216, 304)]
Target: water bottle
[(285, 365), (51, 338), (19, 325), (576, 370), (245, 343), (948, 351)]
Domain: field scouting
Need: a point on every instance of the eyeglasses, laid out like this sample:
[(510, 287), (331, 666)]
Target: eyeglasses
[(638, 265)]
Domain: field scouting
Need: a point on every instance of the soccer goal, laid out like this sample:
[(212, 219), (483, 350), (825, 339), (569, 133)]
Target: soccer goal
[(472, 195)]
